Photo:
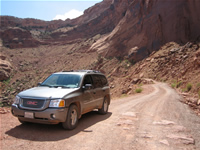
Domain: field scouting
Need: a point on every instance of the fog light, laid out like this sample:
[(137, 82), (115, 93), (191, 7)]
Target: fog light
[(53, 116)]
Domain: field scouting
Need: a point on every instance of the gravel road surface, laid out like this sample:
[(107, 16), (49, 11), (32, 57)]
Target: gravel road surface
[(152, 120)]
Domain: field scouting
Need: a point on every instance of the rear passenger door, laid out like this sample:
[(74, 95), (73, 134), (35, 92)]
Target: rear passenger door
[(99, 96)]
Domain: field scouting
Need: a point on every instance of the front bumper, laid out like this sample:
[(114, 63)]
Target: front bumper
[(47, 116)]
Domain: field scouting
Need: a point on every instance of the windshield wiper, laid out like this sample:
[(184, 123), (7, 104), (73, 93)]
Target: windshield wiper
[(63, 86), (51, 86), (55, 86), (44, 85)]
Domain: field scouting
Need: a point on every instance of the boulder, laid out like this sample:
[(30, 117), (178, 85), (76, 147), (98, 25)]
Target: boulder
[(197, 58), (5, 68), (198, 102)]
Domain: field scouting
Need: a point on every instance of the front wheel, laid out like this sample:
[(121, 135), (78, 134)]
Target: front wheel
[(104, 108), (72, 118)]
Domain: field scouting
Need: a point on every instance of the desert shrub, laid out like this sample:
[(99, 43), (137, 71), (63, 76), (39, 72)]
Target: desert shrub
[(189, 87), (176, 84), (198, 85), (199, 93), (173, 85), (179, 84), (140, 85), (138, 90), (1, 104), (184, 90), (123, 95), (6, 82)]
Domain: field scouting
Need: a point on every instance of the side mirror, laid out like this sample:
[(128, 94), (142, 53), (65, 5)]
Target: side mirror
[(87, 87), (39, 83)]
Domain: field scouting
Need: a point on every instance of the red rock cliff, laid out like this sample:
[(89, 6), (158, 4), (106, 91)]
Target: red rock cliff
[(133, 28), (148, 24)]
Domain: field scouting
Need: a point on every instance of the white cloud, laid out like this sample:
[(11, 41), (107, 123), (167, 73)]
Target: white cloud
[(70, 14)]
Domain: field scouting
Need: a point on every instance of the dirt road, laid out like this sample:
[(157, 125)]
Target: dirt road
[(152, 120)]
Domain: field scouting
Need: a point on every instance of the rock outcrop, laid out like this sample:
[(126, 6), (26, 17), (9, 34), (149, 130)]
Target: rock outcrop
[(197, 58), (102, 21), (18, 38), (36, 32), (5, 68), (149, 24)]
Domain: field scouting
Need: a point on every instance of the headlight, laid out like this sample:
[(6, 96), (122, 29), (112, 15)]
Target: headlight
[(57, 103), (17, 100)]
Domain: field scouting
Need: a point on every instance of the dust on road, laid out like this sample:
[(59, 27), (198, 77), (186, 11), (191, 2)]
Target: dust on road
[(152, 120)]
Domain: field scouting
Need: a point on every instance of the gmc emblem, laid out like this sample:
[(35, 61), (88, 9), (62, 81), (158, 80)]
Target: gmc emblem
[(32, 102)]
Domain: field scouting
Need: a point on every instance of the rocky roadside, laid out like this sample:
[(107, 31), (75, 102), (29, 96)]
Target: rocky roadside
[(4, 110), (178, 65), (5, 68)]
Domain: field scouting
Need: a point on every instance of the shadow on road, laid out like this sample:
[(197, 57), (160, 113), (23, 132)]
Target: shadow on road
[(42, 132)]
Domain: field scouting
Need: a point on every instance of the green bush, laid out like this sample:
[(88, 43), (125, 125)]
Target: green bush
[(189, 87), (123, 95), (6, 82), (138, 90), (179, 84), (198, 85), (173, 85), (1, 104), (199, 93), (184, 90)]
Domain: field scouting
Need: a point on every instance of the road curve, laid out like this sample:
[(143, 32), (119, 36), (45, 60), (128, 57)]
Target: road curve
[(152, 120)]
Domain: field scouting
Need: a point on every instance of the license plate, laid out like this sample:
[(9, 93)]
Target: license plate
[(28, 115)]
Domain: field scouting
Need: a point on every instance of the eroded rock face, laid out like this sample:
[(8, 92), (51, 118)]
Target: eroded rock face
[(149, 24), (99, 19), (18, 38), (132, 29), (5, 68), (18, 33)]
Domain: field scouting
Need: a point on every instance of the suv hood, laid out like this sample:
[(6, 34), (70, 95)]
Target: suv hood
[(46, 92)]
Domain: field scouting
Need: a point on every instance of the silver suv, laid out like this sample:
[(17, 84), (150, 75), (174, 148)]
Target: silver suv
[(63, 97)]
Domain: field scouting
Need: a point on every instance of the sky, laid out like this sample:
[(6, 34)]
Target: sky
[(45, 9)]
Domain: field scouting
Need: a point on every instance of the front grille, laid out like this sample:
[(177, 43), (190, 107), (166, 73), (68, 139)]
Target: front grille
[(32, 103)]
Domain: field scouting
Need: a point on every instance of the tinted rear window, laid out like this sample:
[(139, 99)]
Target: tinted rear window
[(99, 80), (104, 80)]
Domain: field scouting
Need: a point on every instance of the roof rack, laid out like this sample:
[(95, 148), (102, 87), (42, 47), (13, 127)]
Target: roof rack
[(67, 70), (88, 71)]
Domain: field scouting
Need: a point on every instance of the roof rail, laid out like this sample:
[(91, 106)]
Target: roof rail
[(93, 71), (88, 71), (68, 71)]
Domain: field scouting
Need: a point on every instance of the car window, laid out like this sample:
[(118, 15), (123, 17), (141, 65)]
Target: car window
[(51, 80), (64, 80), (87, 80), (97, 81), (104, 80)]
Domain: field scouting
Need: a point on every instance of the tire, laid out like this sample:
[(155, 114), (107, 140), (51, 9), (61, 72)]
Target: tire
[(104, 109), (72, 118)]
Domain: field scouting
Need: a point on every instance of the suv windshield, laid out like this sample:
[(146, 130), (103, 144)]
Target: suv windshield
[(62, 80)]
